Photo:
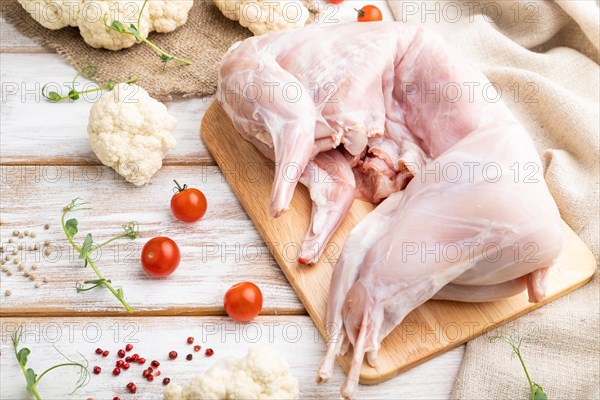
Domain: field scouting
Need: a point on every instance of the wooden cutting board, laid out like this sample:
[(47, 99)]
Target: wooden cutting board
[(431, 329)]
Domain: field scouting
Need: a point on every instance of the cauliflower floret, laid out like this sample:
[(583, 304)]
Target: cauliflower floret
[(270, 370), (262, 374), (168, 15), (131, 132), (53, 14), (173, 392), (98, 35), (265, 16)]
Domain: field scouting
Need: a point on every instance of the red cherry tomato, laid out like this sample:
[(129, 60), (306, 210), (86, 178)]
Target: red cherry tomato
[(160, 257), (188, 205), (369, 13), (243, 301)]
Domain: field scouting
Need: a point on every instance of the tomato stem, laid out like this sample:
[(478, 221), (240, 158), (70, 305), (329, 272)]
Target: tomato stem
[(179, 188), (361, 13)]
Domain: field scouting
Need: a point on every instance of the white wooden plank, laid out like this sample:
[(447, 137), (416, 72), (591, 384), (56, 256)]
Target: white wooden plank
[(217, 252), (35, 131), (295, 337)]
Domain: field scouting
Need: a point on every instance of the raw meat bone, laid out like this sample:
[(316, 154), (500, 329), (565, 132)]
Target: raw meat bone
[(384, 271), (330, 182)]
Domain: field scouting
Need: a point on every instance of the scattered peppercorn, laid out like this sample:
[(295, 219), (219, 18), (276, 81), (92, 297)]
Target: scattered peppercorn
[(135, 357), (105, 353), (189, 357), (157, 373), (46, 279), (21, 235), (36, 246), (131, 386), (128, 347), (120, 363), (97, 370), (166, 381), (116, 398), (128, 359), (121, 353), (142, 361), (126, 365), (172, 354), (48, 251), (21, 267), (209, 352), (150, 378), (26, 232), (116, 371), (155, 363), (47, 226), (15, 233), (98, 350), (47, 242), (190, 340), (38, 285), (7, 293), (34, 266), (32, 235)]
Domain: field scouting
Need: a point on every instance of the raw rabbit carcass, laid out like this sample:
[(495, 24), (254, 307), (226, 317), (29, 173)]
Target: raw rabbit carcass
[(389, 113)]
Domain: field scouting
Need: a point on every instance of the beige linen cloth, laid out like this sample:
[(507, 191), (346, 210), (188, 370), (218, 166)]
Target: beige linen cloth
[(549, 51)]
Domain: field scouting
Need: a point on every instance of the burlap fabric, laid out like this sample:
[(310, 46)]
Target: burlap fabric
[(203, 40)]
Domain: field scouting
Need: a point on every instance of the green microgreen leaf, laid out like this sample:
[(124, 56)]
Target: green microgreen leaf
[(73, 94), (71, 227), (30, 377), (89, 72), (118, 26), (86, 247), (22, 356), (136, 33)]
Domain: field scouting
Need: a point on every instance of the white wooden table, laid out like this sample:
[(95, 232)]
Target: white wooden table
[(46, 161)]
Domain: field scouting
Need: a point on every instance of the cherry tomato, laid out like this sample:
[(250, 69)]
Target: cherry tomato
[(369, 13), (243, 301), (160, 257), (188, 205)]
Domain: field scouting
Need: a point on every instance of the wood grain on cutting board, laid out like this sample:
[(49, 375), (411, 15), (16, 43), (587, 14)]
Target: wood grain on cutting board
[(431, 329)]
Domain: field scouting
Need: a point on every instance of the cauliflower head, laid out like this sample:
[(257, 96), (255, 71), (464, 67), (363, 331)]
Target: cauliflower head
[(262, 374), (53, 14), (95, 33), (265, 16), (131, 132), (88, 15), (168, 15)]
